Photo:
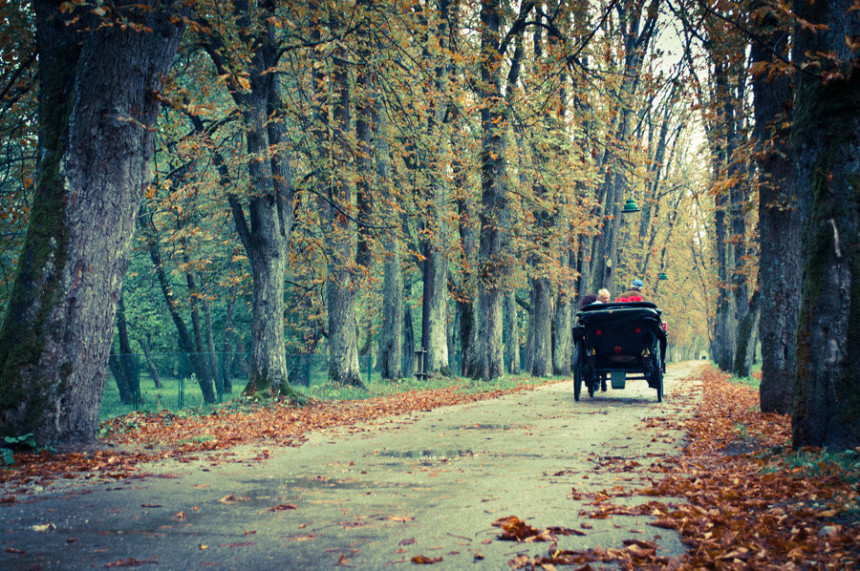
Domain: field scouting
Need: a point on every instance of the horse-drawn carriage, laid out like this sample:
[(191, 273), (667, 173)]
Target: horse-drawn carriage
[(621, 341)]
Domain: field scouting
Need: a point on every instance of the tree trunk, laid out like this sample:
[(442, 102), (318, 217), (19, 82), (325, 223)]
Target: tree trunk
[(391, 334), (97, 111), (153, 370), (270, 197), (494, 262), (121, 378), (562, 353), (826, 137), (512, 343), (201, 354), (745, 347), (126, 358), (779, 224), (541, 323), (214, 367), (408, 333), (228, 357), (186, 343), (343, 366)]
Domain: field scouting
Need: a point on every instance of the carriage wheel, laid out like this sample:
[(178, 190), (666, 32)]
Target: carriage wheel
[(578, 364), (656, 379)]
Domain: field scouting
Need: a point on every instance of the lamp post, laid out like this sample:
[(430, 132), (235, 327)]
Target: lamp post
[(630, 207)]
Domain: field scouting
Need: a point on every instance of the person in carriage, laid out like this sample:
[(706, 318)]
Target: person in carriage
[(634, 293)]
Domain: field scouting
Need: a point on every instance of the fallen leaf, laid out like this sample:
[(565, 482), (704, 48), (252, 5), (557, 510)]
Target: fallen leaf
[(132, 562), (424, 560)]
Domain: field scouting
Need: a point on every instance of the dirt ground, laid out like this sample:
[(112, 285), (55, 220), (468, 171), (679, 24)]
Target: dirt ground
[(425, 486)]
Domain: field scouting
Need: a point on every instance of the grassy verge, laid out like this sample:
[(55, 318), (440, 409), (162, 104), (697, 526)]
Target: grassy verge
[(185, 398)]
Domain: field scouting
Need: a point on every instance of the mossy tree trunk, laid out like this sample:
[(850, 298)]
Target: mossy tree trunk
[(826, 142), (779, 222), (264, 217), (97, 105)]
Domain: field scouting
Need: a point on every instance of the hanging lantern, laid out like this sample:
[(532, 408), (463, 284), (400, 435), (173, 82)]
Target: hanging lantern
[(663, 276), (630, 206)]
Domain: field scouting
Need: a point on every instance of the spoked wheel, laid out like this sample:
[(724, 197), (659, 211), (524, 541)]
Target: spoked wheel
[(656, 376), (578, 364)]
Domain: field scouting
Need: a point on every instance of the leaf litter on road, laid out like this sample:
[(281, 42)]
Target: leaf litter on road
[(748, 502)]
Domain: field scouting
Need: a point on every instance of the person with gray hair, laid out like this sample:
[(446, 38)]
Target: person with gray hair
[(634, 293)]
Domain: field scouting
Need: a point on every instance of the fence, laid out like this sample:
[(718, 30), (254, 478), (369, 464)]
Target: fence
[(169, 379)]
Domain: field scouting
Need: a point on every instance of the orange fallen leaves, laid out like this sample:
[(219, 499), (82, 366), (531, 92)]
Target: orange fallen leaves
[(424, 560), (746, 505), (146, 436)]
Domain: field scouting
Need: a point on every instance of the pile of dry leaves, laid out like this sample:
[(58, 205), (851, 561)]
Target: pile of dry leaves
[(750, 502), (144, 436)]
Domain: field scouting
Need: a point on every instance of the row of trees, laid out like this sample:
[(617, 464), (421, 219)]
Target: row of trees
[(385, 176)]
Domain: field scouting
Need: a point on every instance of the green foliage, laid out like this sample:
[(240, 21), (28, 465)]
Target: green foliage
[(22, 442), (818, 463)]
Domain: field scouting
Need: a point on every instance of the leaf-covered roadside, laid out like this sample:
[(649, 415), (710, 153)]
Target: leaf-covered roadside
[(145, 436), (750, 502)]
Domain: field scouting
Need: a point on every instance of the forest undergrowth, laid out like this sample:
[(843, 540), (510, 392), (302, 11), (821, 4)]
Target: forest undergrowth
[(748, 500)]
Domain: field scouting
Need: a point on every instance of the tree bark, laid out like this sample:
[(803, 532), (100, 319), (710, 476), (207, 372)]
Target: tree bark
[(270, 200), (147, 354), (186, 342), (126, 363), (562, 352), (97, 108), (826, 146), (779, 221), (343, 366), (541, 323), (494, 262), (512, 342)]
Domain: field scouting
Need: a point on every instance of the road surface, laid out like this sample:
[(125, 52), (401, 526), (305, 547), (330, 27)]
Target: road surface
[(428, 484)]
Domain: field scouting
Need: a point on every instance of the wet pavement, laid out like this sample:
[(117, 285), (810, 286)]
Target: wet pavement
[(376, 495)]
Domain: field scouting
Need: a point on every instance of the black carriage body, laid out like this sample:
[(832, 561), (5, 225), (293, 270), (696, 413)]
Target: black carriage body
[(614, 337)]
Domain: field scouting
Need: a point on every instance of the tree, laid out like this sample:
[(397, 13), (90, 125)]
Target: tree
[(247, 54), (779, 216), (99, 77), (826, 147)]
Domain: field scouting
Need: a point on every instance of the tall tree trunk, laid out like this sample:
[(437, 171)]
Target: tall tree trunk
[(512, 329), (214, 367), (739, 195), (147, 354), (494, 262), (200, 350), (228, 357), (120, 377), (826, 137), (723, 339), (562, 352), (126, 358), (343, 366), (745, 347), (391, 335), (186, 342), (270, 200), (779, 223), (408, 331), (97, 110), (541, 323)]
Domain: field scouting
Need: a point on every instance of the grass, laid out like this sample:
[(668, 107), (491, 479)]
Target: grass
[(754, 380), (168, 397)]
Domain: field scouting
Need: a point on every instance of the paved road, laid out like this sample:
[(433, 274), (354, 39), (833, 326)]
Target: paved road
[(373, 496)]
